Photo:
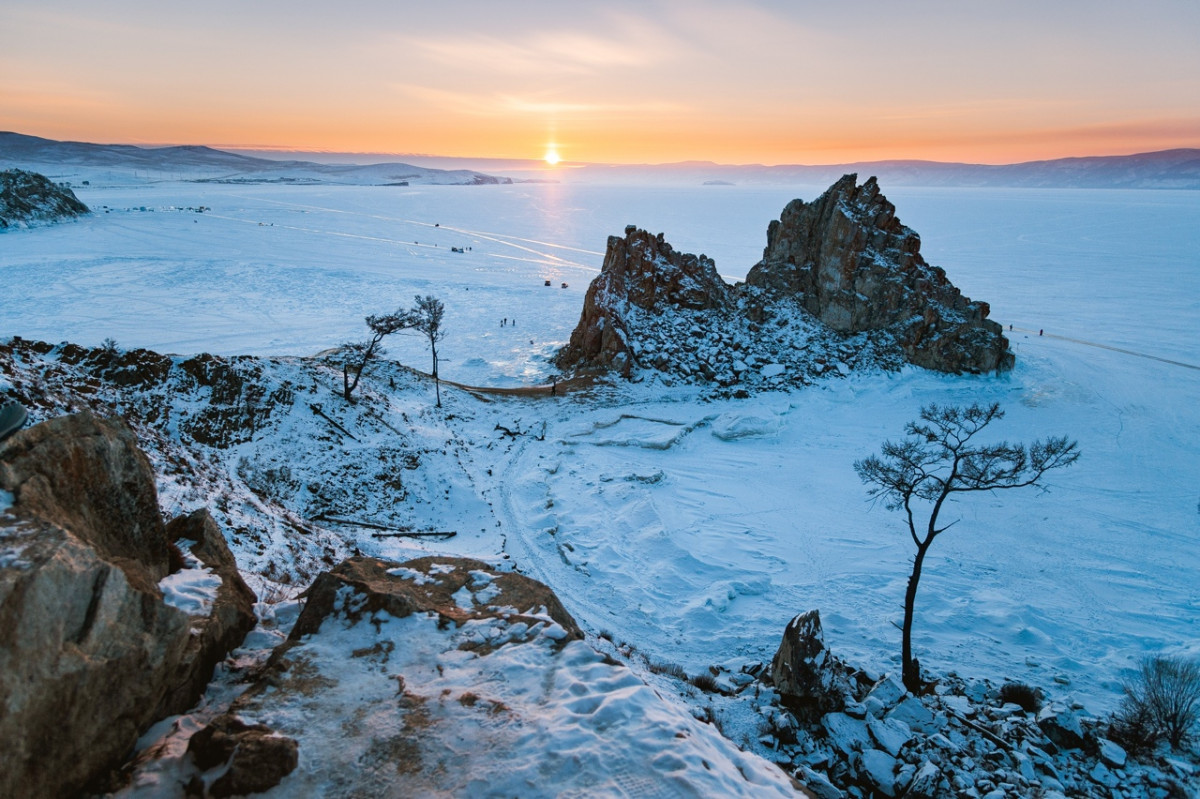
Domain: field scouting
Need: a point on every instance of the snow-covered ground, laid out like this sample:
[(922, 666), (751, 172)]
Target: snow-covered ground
[(692, 529)]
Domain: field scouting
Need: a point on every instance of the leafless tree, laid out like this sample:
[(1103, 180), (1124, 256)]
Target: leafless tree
[(360, 353), (427, 314), (939, 459)]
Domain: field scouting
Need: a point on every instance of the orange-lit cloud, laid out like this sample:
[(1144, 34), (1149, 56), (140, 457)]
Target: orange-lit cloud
[(756, 82)]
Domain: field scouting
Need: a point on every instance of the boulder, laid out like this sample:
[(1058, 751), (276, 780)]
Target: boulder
[(854, 266), (810, 680), (254, 758), (1062, 727), (90, 653), (381, 587), (228, 619)]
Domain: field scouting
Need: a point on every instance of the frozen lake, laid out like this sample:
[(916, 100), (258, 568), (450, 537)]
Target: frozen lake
[(293, 270), (700, 551)]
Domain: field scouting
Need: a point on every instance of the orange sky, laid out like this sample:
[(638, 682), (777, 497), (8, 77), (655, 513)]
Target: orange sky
[(765, 82)]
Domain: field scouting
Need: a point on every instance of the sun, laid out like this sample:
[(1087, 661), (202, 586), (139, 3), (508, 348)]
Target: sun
[(551, 157)]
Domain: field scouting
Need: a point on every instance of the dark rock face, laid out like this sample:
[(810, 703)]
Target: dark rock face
[(90, 654), (641, 272), (856, 268), (29, 197), (807, 675), (842, 284)]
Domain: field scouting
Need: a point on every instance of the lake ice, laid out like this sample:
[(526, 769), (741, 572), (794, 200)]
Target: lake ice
[(694, 544)]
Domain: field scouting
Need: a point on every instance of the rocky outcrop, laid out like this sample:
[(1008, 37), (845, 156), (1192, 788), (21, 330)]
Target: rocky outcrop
[(383, 589), (641, 274), (27, 197), (90, 651), (842, 285), (853, 265), (810, 680)]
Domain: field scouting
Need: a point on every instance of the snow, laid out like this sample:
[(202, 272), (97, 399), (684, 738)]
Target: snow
[(192, 589), (690, 528)]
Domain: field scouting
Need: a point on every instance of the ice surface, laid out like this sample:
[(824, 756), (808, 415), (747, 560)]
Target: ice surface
[(696, 529)]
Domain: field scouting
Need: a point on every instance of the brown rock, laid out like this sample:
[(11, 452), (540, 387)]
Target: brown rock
[(227, 623), (380, 590), (87, 475), (90, 655), (856, 268), (257, 758), (641, 272)]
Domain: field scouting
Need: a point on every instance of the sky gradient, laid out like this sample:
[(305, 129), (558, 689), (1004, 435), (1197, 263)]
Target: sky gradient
[(621, 82)]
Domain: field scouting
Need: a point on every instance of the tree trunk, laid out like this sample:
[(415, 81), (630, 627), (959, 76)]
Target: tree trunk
[(437, 387), (911, 670)]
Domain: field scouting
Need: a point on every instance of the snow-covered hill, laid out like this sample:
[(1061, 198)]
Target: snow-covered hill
[(122, 164)]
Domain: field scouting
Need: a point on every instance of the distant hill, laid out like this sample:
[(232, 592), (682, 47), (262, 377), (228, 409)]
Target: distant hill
[(1167, 169), (77, 162)]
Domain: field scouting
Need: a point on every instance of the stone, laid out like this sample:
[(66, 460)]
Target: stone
[(879, 768), (846, 733), (1111, 754), (890, 734), (1101, 775), (925, 782), (87, 475), (809, 679), (374, 581), (226, 624), (887, 691), (913, 713), (818, 784), (1063, 728), (853, 265), (90, 654), (253, 757)]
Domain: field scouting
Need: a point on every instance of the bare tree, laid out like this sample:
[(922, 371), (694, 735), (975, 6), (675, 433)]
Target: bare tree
[(427, 315), (939, 459), (359, 353)]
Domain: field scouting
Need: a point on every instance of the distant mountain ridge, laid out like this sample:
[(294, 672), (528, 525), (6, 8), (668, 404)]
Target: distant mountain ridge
[(1165, 169), (77, 161), (125, 163)]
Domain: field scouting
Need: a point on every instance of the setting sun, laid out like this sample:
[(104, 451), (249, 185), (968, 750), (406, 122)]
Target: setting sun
[(552, 156)]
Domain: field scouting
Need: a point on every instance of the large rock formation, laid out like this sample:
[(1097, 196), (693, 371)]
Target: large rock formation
[(91, 652), (842, 284), (856, 268), (29, 197), (642, 274)]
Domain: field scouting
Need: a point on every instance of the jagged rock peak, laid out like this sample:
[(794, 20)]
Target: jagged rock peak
[(29, 197), (641, 271), (854, 266)]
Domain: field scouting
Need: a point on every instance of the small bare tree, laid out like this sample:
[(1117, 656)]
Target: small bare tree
[(427, 316), (360, 353), (1163, 702), (939, 459)]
